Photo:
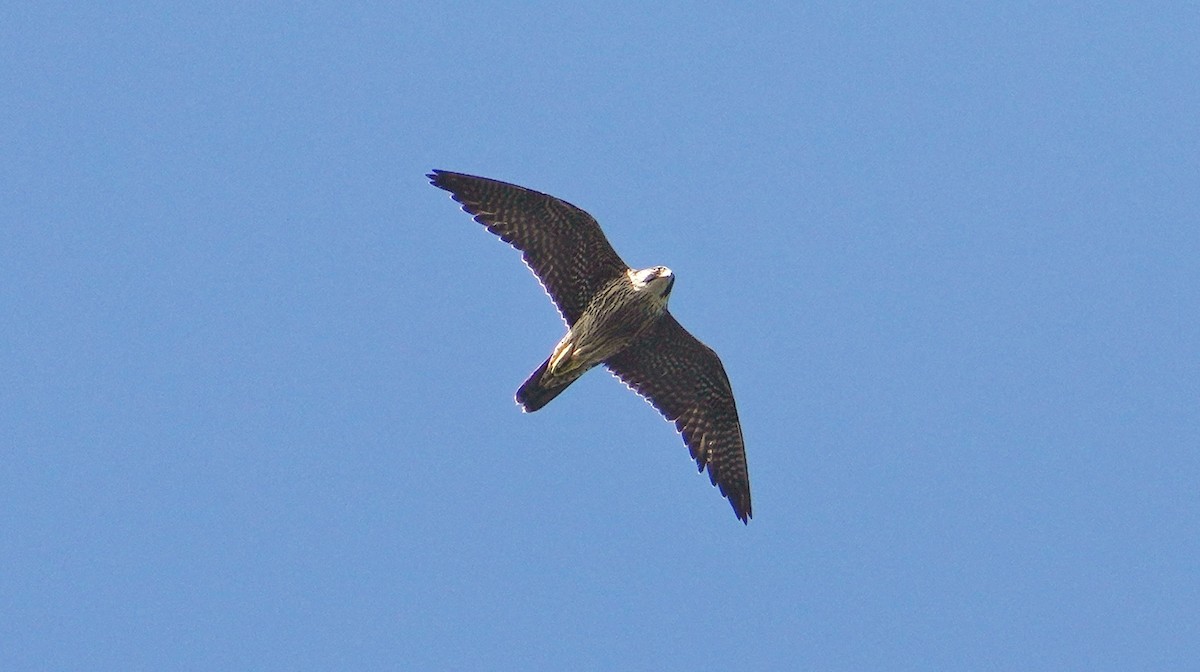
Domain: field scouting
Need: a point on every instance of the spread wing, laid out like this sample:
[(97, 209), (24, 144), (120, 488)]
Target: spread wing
[(685, 381), (561, 244)]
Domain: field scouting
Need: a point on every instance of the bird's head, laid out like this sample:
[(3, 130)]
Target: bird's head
[(657, 279)]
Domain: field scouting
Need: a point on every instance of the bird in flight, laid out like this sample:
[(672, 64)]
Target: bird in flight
[(615, 316)]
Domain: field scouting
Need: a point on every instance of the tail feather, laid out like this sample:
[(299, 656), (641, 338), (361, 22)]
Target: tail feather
[(535, 392)]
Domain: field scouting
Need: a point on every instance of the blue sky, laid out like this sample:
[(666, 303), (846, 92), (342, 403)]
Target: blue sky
[(256, 374)]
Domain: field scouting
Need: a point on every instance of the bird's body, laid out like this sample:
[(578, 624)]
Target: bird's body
[(616, 316), (621, 311)]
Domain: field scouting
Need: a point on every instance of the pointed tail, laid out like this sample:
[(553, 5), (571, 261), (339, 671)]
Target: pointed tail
[(539, 389)]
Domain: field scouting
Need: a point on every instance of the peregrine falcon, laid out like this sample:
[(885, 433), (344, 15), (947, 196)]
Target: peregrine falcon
[(615, 316)]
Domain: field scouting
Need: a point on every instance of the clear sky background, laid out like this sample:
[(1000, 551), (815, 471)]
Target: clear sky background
[(256, 375)]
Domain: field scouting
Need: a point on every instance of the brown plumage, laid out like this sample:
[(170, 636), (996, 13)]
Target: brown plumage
[(617, 317)]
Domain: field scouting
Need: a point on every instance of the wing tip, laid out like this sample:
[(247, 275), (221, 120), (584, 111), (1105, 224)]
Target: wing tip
[(739, 499), (735, 490), (742, 510)]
